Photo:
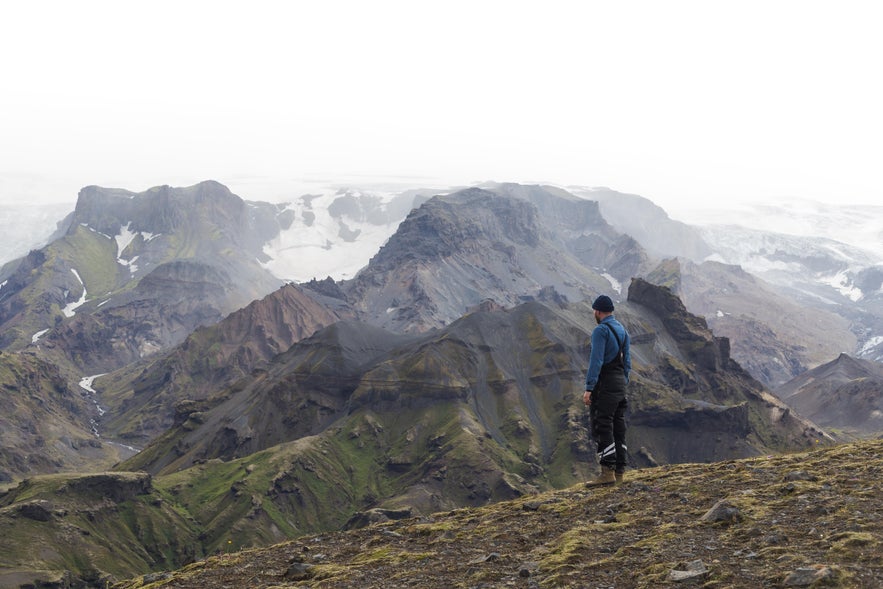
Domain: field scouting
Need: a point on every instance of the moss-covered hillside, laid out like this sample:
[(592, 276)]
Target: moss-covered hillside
[(794, 520)]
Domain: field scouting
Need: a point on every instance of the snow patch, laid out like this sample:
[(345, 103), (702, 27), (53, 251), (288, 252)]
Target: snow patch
[(86, 385), (124, 238), (36, 337), (70, 309), (870, 345), (95, 231), (616, 284), (132, 449), (843, 284), (312, 247), (2, 284)]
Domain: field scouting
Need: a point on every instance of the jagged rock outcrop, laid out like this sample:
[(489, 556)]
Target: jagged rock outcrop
[(772, 337), (718, 406)]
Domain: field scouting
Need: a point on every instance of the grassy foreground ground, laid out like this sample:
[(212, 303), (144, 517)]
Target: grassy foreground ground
[(798, 520)]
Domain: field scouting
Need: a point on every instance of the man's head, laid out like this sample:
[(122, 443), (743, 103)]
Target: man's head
[(603, 307)]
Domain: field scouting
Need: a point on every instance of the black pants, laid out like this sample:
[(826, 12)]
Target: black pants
[(607, 417)]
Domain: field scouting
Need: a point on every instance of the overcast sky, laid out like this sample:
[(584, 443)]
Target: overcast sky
[(686, 103)]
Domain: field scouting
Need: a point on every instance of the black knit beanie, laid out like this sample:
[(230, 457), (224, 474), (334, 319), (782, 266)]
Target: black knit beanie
[(603, 304)]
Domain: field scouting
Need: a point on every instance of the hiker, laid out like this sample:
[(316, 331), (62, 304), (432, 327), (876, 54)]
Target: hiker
[(605, 396)]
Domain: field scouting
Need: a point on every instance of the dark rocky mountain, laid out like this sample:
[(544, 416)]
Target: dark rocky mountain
[(140, 399), (134, 274), (773, 336), (447, 373), (844, 396), (504, 244)]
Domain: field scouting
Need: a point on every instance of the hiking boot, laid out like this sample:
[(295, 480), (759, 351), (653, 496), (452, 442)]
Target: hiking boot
[(607, 477), (620, 476)]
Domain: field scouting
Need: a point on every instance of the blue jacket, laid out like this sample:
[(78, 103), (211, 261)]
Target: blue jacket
[(605, 348)]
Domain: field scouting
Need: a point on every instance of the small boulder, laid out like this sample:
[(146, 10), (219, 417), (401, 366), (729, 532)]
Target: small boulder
[(361, 519), (299, 571), (691, 570), (800, 475), (806, 576), (723, 512)]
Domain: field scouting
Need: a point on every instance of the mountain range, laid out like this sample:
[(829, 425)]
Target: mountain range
[(155, 331)]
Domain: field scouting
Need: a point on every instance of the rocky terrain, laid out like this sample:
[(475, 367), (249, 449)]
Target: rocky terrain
[(793, 520)]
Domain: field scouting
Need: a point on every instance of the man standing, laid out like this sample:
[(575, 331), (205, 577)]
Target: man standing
[(605, 396)]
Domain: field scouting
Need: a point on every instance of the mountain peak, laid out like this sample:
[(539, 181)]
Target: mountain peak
[(852, 385)]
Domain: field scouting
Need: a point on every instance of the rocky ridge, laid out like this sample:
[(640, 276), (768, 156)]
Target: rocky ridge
[(794, 520), (141, 399)]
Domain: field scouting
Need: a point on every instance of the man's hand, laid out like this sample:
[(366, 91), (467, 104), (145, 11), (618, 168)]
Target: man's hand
[(587, 398)]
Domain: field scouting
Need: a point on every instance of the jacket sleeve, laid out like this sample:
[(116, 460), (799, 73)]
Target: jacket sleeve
[(596, 358)]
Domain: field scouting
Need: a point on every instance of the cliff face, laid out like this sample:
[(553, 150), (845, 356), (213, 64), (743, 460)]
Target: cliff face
[(716, 406)]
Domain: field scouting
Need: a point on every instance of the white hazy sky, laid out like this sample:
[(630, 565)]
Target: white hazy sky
[(686, 103)]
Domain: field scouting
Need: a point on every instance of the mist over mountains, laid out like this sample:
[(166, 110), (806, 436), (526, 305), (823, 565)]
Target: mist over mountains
[(281, 368)]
